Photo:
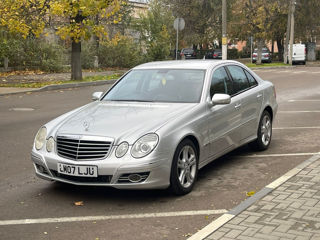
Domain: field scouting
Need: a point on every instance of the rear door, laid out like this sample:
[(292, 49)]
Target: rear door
[(251, 97)]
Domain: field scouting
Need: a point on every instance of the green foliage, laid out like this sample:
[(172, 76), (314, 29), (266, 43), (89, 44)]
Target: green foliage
[(307, 19), (121, 51), (32, 53), (153, 28), (233, 53), (318, 55), (88, 51), (203, 19)]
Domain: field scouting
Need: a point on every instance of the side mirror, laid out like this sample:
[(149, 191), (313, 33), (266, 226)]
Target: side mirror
[(96, 96), (220, 99)]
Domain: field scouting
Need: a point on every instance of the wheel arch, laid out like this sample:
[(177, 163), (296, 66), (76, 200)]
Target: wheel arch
[(269, 110), (194, 140)]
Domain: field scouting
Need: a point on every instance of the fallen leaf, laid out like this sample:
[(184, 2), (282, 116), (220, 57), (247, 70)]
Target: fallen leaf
[(80, 203), (249, 194), (45, 233)]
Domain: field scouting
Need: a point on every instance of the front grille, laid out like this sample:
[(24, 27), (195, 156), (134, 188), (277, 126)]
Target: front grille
[(82, 149), (99, 179)]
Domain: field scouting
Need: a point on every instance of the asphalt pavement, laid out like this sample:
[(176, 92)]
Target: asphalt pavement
[(31, 208)]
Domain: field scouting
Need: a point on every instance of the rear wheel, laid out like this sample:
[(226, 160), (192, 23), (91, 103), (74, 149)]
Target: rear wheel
[(264, 132), (184, 168)]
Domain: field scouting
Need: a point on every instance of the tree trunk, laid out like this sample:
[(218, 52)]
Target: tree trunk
[(6, 63), (76, 70), (280, 49), (260, 43)]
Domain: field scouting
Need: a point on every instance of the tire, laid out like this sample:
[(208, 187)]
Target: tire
[(264, 132), (184, 169)]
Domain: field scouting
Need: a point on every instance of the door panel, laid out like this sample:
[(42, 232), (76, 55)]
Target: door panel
[(223, 120), (251, 104)]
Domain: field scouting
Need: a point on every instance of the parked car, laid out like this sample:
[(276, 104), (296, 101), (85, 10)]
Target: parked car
[(299, 52), (214, 54), (188, 53), (157, 126), (266, 55)]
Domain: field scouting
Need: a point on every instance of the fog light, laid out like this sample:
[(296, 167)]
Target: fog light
[(134, 178)]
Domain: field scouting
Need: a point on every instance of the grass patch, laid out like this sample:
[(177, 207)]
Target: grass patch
[(46, 83), (278, 64)]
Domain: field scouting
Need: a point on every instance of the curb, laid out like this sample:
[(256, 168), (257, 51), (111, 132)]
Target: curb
[(64, 86), (219, 222)]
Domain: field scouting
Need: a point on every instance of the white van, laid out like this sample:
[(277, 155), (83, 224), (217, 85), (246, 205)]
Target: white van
[(299, 53)]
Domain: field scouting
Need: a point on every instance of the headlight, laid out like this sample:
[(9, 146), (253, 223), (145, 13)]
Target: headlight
[(122, 149), (144, 145), (50, 144), (40, 138)]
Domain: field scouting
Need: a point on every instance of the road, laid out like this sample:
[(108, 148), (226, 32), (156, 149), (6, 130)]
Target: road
[(118, 214)]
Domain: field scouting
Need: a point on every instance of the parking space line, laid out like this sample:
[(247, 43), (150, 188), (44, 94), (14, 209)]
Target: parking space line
[(315, 111), (112, 217), (280, 155), (300, 72), (304, 100), (289, 128)]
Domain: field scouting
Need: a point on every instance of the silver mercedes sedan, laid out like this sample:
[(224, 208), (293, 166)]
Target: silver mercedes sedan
[(157, 126)]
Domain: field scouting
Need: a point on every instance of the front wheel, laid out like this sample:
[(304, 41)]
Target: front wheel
[(184, 168), (264, 133)]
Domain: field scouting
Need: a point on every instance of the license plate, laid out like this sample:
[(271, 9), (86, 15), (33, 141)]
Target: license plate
[(188, 55), (79, 171)]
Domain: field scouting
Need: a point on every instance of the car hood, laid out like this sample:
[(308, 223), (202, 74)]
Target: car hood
[(121, 121)]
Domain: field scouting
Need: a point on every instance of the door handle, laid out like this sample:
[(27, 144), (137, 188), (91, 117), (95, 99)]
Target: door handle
[(259, 95), (237, 106)]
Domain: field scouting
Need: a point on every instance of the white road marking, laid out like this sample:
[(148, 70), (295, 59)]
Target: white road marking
[(300, 72), (305, 100), (285, 71), (315, 111), (21, 109), (280, 155), (289, 128), (112, 217), (213, 226)]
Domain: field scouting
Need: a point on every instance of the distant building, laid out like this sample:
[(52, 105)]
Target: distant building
[(139, 7)]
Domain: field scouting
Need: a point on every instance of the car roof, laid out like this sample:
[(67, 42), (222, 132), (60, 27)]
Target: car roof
[(183, 64)]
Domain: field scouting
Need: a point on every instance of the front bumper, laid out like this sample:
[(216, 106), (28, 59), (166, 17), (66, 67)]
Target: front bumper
[(112, 171), (263, 59)]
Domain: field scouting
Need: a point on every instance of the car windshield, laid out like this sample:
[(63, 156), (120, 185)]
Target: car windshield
[(159, 85)]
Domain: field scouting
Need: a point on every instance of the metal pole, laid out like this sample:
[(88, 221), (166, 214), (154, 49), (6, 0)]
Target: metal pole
[(224, 30), (286, 44), (177, 41), (292, 32), (251, 43)]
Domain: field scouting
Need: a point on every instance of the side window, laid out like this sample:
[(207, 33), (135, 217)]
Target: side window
[(220, 82), (252, 81), (240, 81)]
